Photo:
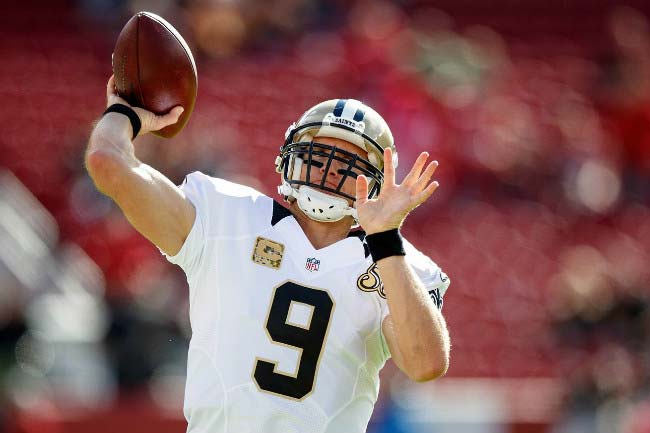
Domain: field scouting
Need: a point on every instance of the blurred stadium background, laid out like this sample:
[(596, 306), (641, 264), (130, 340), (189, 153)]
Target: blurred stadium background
[(539, 112)]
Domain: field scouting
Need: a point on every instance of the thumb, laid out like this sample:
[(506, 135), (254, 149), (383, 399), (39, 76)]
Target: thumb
[(153, 122), (172, 117), (362, 190)]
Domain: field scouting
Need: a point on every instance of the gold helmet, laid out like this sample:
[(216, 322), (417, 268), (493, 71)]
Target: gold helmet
[(345, 119)]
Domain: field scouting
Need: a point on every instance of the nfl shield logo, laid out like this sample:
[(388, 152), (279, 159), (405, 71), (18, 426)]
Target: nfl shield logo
[(312, 264)]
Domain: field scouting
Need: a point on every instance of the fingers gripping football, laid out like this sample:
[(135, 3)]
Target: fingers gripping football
[(150, 121), (395, 201)]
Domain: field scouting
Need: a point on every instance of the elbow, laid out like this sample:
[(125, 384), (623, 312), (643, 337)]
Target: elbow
[(105, 169), (429, 369)]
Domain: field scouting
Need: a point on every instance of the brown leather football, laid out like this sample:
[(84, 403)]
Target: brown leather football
[(154, 68)]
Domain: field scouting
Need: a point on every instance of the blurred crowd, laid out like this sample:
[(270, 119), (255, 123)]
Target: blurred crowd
[(539, 116)]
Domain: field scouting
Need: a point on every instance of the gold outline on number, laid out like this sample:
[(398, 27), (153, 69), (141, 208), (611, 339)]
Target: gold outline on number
[(275, 363), (298, 325)]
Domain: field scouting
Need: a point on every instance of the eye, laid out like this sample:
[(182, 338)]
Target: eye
[(314, 163), (350, 173)]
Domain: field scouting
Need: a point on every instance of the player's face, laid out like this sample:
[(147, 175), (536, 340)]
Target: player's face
[(337, 168)]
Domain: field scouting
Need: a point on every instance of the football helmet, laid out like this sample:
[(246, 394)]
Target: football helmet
[(345, 119)]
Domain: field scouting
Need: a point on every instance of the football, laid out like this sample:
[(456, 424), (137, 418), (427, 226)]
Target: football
[(154, 68)]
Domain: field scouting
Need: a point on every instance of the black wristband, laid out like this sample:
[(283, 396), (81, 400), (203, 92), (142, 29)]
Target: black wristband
[(128, 112), (385, 244)]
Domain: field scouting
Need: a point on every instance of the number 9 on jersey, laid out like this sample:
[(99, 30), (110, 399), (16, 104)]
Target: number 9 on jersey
[(309, 340)]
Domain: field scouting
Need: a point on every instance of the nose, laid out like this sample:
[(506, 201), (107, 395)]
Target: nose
[(332, 171), (332, 177)]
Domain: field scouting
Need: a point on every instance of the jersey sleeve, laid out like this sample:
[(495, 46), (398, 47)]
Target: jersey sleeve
[(222, 208), (435, 281), (191, 252)]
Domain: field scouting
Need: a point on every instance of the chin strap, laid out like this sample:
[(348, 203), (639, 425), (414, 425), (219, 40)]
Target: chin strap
[(318, 205)]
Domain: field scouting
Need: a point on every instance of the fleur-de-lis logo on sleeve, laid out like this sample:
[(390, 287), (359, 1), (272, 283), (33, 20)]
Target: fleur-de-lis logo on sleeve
[(369, 281)]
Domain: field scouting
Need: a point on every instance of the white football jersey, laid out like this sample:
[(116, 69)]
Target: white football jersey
[(285, 338)]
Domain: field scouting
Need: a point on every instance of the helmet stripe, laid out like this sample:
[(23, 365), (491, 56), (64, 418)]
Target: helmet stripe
[(338, 109), (358, 116), (350, 109)]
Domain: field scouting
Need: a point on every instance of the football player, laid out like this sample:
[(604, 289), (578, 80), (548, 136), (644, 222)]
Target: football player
[(293, 314)]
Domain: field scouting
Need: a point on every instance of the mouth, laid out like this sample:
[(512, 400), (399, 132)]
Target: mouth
[(332, 185), (327, 184)]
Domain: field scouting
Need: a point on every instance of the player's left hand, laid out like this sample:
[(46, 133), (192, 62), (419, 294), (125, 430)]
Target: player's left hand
[(395, 202)]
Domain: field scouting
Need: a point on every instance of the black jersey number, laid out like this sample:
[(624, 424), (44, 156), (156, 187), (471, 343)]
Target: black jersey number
[(309, 339)]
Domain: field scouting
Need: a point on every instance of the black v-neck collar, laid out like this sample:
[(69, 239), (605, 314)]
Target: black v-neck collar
[(280, 212)]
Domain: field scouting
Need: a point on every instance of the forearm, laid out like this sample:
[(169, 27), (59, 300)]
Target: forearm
[(112, 136), (110, 157), (419, 328)]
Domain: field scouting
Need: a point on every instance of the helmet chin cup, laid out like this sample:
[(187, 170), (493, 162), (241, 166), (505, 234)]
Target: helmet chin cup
[(323, 207)]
